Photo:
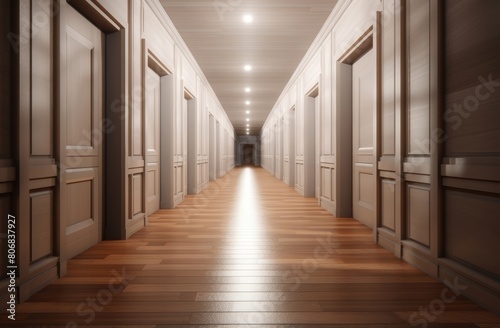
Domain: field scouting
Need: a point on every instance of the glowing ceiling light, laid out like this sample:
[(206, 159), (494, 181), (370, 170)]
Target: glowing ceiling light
[(247, 68), (247, 102), (248, 18), (247, 90)]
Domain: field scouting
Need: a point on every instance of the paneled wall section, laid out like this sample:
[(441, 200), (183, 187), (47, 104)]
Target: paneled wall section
[(436, 131), (121, 146)]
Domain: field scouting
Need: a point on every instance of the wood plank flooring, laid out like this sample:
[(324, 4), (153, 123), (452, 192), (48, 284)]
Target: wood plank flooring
[(247, 252)]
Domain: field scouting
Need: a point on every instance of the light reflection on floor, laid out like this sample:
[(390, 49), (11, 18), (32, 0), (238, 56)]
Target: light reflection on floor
[(247, 236), (247, 231)]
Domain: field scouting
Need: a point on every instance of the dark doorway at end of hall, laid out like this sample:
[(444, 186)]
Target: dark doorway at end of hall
[(248, 150), (248, 155)]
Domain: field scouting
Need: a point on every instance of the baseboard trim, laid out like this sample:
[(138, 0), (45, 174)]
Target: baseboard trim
[(389, 244), (328, 205), (30, 287), (177, 200), (420, 260), (136, 225), (482, 291), (202, 187)]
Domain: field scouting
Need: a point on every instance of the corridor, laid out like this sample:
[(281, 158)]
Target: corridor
[(248, 250)]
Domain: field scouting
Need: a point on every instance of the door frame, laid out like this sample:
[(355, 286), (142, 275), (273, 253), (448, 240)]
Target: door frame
[(218, 149), (282, 147), (212, 151), (151, 60), (275, 148), (344, 175), (312, 105), (191, 124), (291, 136)]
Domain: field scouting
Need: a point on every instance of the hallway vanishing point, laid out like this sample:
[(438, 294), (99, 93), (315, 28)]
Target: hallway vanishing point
[(248, 251)]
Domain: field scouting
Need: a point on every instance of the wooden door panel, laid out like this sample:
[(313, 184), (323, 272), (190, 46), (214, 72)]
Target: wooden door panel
[(152, 188), (83, 215), (136, 194), (365, 121), (178, 180), (152, 109), (286, 171), (79, 100), (326, 182), (363, 104), (42, 210), (152, 113), (79, 198), (299, 173), (81, 138), (363, 193), (317, 146)]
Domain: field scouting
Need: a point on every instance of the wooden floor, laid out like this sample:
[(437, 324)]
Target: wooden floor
[(249, 251)]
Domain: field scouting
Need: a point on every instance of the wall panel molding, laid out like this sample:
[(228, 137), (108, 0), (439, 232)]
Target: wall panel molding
[(37, 171)]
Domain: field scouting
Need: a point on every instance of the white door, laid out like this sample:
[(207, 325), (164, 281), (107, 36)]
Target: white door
[(212, 149), (152, 104), (276, 151), (363, 103), (317, 132)]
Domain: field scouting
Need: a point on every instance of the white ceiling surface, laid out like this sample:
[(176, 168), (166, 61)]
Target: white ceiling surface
[(274, 44)]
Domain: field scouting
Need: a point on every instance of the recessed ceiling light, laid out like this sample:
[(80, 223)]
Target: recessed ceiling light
[(248, 112), (248, 18), (248, 90), (247, 102), (248, 132), (248, 120), (248, 125), (248, 68)]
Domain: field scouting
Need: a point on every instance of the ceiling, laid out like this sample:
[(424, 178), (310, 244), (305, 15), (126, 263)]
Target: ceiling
[(274, 44)]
